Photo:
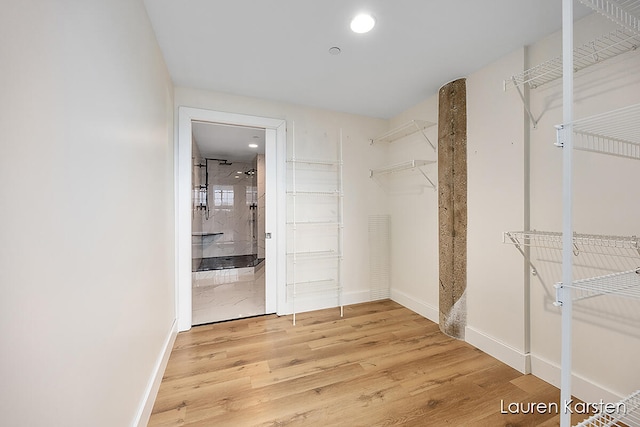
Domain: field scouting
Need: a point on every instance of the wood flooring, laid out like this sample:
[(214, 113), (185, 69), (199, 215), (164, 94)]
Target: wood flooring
[(379, 365)]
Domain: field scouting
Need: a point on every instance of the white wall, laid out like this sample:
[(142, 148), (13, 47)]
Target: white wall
[(414, 214), (495, 196), (314, 128), (606, 329), (515, 178), (87, 212), (496, 203)]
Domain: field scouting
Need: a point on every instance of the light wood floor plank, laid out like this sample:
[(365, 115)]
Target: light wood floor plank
[(380, 365)]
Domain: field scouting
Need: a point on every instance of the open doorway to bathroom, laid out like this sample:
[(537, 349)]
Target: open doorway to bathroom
[(275, 230), (228, 222)]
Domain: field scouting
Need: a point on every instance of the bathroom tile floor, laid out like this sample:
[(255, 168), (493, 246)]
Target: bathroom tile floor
[(219, 295)]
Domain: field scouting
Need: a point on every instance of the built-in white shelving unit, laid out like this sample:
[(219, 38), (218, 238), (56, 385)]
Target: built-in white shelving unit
[(315, 228), (410, 128), (614, 133)]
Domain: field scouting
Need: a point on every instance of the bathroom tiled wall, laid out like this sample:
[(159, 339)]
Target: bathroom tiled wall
[(196, 223), (232, 211), (261, 175)]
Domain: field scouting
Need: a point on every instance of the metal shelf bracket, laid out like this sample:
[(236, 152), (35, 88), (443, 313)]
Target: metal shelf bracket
[(559, 292)]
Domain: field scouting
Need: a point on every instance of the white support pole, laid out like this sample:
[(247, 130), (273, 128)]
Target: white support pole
[(295, 225), (341, 227), (567, 208)]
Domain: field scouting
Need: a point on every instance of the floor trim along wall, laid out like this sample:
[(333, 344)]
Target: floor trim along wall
[(149, 398), (582, 388), (501, 351), (420, 307)]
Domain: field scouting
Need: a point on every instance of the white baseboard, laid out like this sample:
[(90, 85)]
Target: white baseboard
[(146, 406), (420, 307), (581, 388), (501, 351)]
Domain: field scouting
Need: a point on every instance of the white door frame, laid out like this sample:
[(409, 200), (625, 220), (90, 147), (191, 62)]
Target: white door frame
[(275, 215)]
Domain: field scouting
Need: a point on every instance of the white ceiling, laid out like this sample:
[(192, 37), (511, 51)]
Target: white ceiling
[(225, 142), (278, 49)]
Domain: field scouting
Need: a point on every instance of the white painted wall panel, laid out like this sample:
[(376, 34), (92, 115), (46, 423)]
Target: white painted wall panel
[(86, 264)]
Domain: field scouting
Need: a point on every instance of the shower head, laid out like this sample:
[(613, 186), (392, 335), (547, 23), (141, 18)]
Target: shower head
[(222, 162)]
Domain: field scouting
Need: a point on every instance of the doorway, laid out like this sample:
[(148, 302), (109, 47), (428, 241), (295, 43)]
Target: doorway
[(228, 222), (275, 205)]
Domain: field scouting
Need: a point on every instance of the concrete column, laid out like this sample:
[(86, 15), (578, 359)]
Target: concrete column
[(452, 206)]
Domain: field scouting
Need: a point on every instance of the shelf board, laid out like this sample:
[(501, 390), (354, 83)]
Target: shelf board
[(410, 128), (629, 414), (623, 12), (602, 48)]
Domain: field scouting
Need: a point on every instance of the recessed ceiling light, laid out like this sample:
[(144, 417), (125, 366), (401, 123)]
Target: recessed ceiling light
[(362, 23), (335, 50), (253, 145)]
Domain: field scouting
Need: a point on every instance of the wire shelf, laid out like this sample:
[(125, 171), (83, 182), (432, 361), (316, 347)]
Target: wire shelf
[(313, 287), (410, 164), (315, 223), (399, 167), (315, 255), (414, 126), (588, 243), (314, 193), (602, 48), (615, 133), (624, 284), (622, 12), (625, 414), (315, 162)]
